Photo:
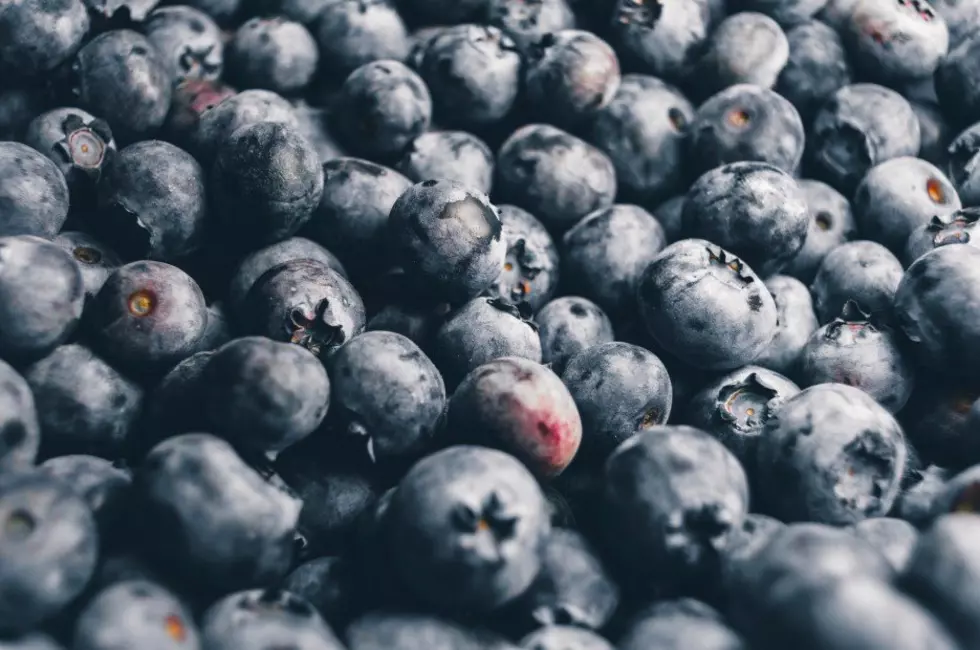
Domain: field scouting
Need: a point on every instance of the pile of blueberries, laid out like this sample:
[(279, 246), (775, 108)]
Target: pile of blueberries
[(489, 324)]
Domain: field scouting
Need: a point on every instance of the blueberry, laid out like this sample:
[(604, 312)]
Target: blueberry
[(745, 122), (40, 35), (679, 623), (272, 53), (49, 550), (620, 390), (217, 332), (530, 273), (147, 317), (896, 40), (103, 485), (569, 325), (862, 271), (482, 330), (668, 215), (569, 75), (107, 14), (20, 431), (796, 558), (521, 407), (672, 496), (473, 72), (860, 613), (191, 100), (915, 503), (448, 238), (572, 588), (747, 541), (858, 127), (152, 202), (962, 165), (217, 124), (419, 41), (381, 107), (938, 421), (899, 195), (265, 395), (796, 322), (943, 572), (135, 613), (833, 455), (189, 42), (935, 306), (210, 518), (954, 228), (265, 618), (604, 255), (79, 144), (663, 40), (222, 11), (642, 130), (449, 155), (706, 306), (120, 77), (337, 489), (31, 641), (752, 209), (894, 538), (351, 33), (737, 407), (33, 192), (413, 631), (465, 529), (304, 301), (84, 405), (564, 637), (527, 22), (958, 495), (417, 320), (961, 16), (313, 125), (386, 390), (817, 67), (256, 263), (554, 175), (831, 224), (935, 133), (175, 405), (353, 211), (41, 297), (745, 48), (854, 350), (324, 583)]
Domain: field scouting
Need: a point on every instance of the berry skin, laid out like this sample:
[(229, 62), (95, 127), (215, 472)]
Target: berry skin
[(745, 48), (104, 486), (833, 455), (672, 496), (528, 22), (854, 350), (521, 407), (189, 43), (564, 637), (84, 404), (679, 623), (120, 77), (568, 325), (41, 297), (465, 529), (817, 67), (135, 613), (935, 306), (227, 115), (351, 33), (49, 550), (862, 271), (265, 395), (33, 192), (896, 539), (569, 75), (482, 330), (448, 238), (706, 306), (272, 53), (306, 302), (265, 183), (797, 322), (451, 155), (147, 317), (386, 390), (751, 209), (40, 35), (620, 390), (831, 224), (531, 271), (210, 518), (956, 228), (20, 432), (153, 203), (265, 618), (662, 40)]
